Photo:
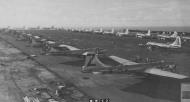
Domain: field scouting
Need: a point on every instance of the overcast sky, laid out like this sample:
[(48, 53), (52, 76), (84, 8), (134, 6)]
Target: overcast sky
[(95, 12)]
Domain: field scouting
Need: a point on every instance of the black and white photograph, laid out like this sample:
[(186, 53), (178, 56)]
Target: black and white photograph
[(95, 51)]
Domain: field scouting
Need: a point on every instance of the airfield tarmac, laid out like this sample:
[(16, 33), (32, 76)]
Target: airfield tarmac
[(20, 75), (117, 87)]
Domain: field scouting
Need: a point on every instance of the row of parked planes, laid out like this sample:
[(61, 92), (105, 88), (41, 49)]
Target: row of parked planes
[(92, 57), (162, 35)]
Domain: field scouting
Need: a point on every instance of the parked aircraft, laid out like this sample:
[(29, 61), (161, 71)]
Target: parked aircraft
[(24, 37), (109, 32), (141, 35), (122, 33), (28, 37), (99, 31), (175, 44), (20, 36), (93, 64), (87, 30), (52, 48), (36, 41), (165, 36), (185, 38)]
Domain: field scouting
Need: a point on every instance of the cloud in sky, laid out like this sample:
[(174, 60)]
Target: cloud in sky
[(95, 12)]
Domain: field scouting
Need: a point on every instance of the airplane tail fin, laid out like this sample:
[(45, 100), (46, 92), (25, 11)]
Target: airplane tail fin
[(101, 30), (148, 32), (112, 30), (92, 59), (174, 34), (126, 31), (177, 42)]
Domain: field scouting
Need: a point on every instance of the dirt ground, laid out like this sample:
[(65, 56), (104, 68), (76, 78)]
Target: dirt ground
[(20, 75), (117, 87)]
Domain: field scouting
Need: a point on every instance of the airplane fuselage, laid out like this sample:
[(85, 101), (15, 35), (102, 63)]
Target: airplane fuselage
[(162, 45)]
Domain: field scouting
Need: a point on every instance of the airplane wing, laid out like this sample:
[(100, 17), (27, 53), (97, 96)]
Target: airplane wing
[(69, 47), (158, 44), (164, 36), (130, 66), (50, 42), (122, 61), (160, 72), (36, 37), (29, 34), (140, 34)]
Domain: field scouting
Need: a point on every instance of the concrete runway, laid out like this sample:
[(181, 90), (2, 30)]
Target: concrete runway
[(117, 87), (20, 75)]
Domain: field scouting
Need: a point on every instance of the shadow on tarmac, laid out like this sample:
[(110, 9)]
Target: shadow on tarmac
[(156, 87), (77, 63)]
